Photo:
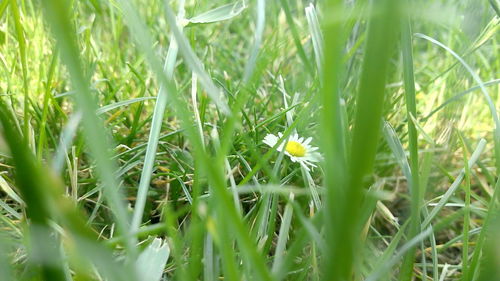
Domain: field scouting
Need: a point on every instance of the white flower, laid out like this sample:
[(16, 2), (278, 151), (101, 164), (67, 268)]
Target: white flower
[(296, 148)]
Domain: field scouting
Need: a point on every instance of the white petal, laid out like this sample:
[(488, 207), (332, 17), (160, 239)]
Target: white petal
[(311, 148), (270, 140), (308, 140), (304, 165), (310, 164), (314, 157)]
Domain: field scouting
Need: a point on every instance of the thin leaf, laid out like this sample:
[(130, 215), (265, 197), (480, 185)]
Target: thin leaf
[(151, 262), (221, 13)]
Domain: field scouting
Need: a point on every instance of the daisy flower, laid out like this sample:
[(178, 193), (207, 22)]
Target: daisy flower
[(296, 148)]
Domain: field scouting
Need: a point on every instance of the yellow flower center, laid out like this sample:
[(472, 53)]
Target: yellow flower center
[(295, 149)]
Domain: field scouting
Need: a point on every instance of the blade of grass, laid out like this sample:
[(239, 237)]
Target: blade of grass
[(28, 177), (459, 96), (194, 62), (412, 243), (308, 180), (397, 149), (298, 245), (154, 133), (65, 141), (346, 194), (221, 13), (21, 40), (10, 211), (444, 199), (316, 36), (494, 4), (6, 269), (57, 14), (477, 79), (466, 224), (46, 98), (3, 7), (116, 105), (283, 234), (208, 259), (9, 191), (258, 35), (475, 263), (333, 139), (295, 36), (411, 109)]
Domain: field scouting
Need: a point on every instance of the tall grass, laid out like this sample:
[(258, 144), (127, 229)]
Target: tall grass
[(131, 140)]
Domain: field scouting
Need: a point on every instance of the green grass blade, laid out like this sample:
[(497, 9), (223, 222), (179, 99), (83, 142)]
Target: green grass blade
[(46, 98), (454, 186), (346, 196), (481, 242), (57, 13), (481, 84), (397, 149), (221, 13), (466, 224), (459, 96), (259, 33), (412, 243), (316, 36), (333, 138), (411, 108), (6, 270), (295, 35), (24, 65), (194, 62), (109, 107), (65, 141), (283, 234), (29, 180), (154, 134)]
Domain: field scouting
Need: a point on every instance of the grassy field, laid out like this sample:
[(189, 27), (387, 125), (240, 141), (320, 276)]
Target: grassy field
[(249, 140)]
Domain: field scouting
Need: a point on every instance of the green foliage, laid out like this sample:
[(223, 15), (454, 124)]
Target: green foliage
[(131, 140)]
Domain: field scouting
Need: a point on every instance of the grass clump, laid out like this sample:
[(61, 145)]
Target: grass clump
[(176, 140)]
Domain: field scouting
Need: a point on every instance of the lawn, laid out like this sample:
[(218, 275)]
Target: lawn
[(259, 140)]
